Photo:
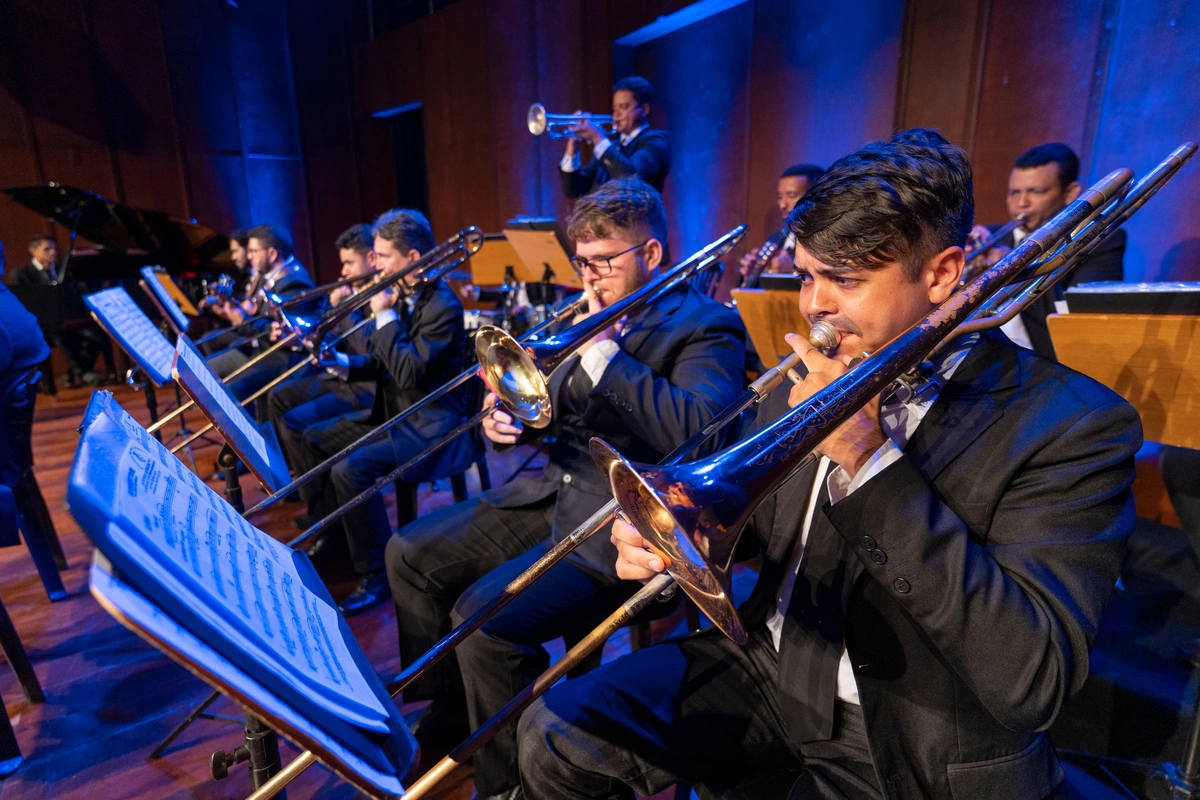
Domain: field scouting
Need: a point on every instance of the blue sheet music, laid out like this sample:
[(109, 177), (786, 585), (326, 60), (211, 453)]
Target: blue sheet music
[(119, 315), (154, 284), (190, 543), (262, 454)]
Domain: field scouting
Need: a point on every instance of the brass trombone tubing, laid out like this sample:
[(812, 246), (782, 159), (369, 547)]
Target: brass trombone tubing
[(758, 390), (324, 289), (696, 526), (567, 308)]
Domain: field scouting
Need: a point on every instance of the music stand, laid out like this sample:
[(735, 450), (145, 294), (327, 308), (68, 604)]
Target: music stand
[(770, 314), (256, 445), (236, 607), (170, 301), (127, 325), (1153, 361), (543, 252)]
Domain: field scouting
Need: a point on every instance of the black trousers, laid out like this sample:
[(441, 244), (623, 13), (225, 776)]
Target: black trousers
[(432, 561), (298, 403), (700, 710), (81, 344), (367, 527)]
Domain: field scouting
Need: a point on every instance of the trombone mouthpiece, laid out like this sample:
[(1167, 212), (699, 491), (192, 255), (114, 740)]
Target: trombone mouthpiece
[(824, 336)]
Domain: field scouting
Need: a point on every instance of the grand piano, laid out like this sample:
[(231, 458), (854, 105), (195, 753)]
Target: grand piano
[(108, 243)]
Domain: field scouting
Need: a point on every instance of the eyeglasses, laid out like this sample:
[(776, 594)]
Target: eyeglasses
[(600, 265)]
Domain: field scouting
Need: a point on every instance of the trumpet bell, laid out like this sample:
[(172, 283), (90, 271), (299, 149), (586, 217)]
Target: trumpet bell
[(696, 548), (511, 374), (536, 119)]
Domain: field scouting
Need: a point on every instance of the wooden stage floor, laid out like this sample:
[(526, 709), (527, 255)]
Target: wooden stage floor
[(110, 697)]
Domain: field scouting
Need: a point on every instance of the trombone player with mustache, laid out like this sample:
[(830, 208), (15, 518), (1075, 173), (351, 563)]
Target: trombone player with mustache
[(930, 587)]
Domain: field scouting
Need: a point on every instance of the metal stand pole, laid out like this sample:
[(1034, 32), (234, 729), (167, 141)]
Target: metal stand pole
[(227, 460), (260, 748), (184, 432)]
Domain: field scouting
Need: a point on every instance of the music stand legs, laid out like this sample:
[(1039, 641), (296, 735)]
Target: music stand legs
[(260, 748), (227, 460)]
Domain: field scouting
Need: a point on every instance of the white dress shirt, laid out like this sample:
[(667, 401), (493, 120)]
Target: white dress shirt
[(899, 421), (1015, 328), (570, 163)]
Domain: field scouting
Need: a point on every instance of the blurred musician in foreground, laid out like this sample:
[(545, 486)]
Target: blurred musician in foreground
[(1043, 181), (298, 403), (929, 588), (418, 344), (22, 346), (636, 148), (81, 340), (793, 183), (276, 269), (649, 385)]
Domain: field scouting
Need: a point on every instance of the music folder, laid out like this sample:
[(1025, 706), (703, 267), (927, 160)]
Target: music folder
[(114, 310), (171, 301), (256, 445), (177, 565)]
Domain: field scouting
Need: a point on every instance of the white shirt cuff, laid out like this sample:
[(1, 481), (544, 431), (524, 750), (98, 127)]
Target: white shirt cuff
[(601, 148), (385, 317), (342, 368), (596, 359), (841, 486), (569, 163)]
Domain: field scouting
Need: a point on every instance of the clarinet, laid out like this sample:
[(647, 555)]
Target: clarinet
[(765, 254)]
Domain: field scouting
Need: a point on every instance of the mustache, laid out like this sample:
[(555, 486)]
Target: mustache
[(841, 323)]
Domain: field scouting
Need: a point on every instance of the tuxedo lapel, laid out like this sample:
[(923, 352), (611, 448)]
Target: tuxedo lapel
[(640, 328)]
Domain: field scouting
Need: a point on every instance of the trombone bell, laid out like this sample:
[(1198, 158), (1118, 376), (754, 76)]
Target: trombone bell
[(510, 373)]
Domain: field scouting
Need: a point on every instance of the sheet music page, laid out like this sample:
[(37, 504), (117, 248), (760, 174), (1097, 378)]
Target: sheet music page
[(225, 401), (152, 277), (134, 330), (240, 580)]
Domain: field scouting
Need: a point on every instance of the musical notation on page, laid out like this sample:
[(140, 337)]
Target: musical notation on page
[(120, 316)]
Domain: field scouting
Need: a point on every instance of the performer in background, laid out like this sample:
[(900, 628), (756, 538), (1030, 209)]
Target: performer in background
[(80, 340), (1043, 181), (241, 261), (418, 344), (792, 185), (298, 403), (648, 384), (635, 149), (272, 257), (929, 588)]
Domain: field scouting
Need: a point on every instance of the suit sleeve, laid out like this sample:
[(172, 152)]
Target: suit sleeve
[(1013, 617), (649, 159), (666, 409), (579, 182), (1105, 264), (411, 357)]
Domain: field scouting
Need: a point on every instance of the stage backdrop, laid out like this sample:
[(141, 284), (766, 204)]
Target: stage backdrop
[(276, 110)]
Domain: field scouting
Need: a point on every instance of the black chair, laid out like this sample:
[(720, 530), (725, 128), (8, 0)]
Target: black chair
[(14, 651), (16, 472)]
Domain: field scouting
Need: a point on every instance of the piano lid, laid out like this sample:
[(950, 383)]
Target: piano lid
[(175, 242)]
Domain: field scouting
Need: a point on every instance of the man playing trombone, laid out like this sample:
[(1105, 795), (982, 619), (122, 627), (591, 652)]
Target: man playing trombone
[(929, 588), (637, 150), (300, 402), (650, 382), (417, 345)]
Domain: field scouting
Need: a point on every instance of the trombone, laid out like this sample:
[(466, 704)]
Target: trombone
[(562, 126), (430, 266), (516, 370), (693, 514)]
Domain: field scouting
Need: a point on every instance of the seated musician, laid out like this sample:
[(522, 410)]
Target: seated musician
[(635, 148), (241, 261), (271, 255), (418, 344), (793, 183), (22, 346), (297, 403), (649, 384), (1043, 181), (81, 341), (929, 588)]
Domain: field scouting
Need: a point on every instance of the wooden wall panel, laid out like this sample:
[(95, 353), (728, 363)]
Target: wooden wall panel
[(560, 82), (512, 82), (1037, 80), (18, 156), (442, 170)]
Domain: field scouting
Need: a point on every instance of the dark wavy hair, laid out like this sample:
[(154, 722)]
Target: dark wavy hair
[(905, 199), (357, 238), (273, 235), (1052, 153), (628, 209), (406, 228)]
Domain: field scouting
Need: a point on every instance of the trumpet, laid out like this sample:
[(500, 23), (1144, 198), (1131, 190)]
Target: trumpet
[(561, 126)]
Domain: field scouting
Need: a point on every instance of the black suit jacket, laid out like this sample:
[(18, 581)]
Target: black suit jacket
[(29, 275), (1002, 529), (648, 156), (1105, 264), (681, 362), (408, 359)]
